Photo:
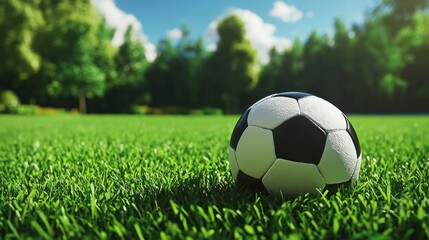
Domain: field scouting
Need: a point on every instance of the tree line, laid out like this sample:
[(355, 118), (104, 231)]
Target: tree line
[(59, 53)]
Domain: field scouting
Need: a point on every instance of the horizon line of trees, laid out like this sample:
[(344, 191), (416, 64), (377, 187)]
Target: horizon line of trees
[(60, 53)]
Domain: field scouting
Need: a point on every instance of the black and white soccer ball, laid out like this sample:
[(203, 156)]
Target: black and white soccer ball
[(294, 143)]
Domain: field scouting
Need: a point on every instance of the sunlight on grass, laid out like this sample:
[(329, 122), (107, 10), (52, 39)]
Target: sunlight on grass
[(155, 177)]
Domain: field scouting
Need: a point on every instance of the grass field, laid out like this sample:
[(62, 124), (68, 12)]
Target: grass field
[(168, 177)]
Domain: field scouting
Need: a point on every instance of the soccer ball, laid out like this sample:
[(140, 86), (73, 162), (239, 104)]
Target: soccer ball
[(294, 143)]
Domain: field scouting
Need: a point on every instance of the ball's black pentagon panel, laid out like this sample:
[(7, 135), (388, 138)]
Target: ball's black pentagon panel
[(299, 139), (250, 182), (239, 129), (295, 95), (353, 135)]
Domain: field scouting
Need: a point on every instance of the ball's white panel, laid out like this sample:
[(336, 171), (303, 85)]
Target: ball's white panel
[(233, 163), (323, 113), (338, 160), (294, 178), (355, 176), (261, 100), (272, 112), (255, 151)]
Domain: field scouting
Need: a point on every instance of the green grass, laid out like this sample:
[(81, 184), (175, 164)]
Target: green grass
[(168, 177)]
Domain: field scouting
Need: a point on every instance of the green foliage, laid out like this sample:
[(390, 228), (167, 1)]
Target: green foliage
[(414, 40), (9, 102), (268, 76), (174, 76), (212, 111), (313, 57), (25, 109), (131, 60), (160, 75), (374, 66), (54, 51), (231, 72), (126, 84), (72, 34), (380, 63), (168, 177), (106, 54), (338, 79), (292, 64), (397, 14), (19, 21)]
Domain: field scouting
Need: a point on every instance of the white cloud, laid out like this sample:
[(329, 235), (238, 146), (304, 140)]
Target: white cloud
[(310, 14), (211, 31), (120, 20), (259, 33), (175, 34), (212, 47), (287, 13)]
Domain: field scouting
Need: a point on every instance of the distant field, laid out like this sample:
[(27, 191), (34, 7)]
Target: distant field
[(168, 177)]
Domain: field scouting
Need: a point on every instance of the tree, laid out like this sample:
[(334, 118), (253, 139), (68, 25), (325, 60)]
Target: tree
[(128, 87), (69, 46), (378, 61), (269, 74), (338, 58), (158, 74), (174, 76), (397, 14), (19, 21), (106, 54), (313, 76), (289, 76), (414, 41), (131, 59), (104, 58), (190, 55), (232, 71)]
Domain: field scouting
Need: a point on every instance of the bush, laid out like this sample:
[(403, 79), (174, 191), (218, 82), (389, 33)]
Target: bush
[(197, 112), (52, 111), (9, 102), (175, 110), (27, 110), (168, 110), (212, 111), (137, 109)]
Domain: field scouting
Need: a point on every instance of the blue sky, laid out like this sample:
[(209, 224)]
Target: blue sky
[(269, 23)]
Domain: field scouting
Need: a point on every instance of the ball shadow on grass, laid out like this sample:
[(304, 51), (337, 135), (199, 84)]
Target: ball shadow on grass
[(207, 190)]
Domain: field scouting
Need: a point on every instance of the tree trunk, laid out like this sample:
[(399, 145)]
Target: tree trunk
[(231, 104), (82, 102), (32, 101)]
